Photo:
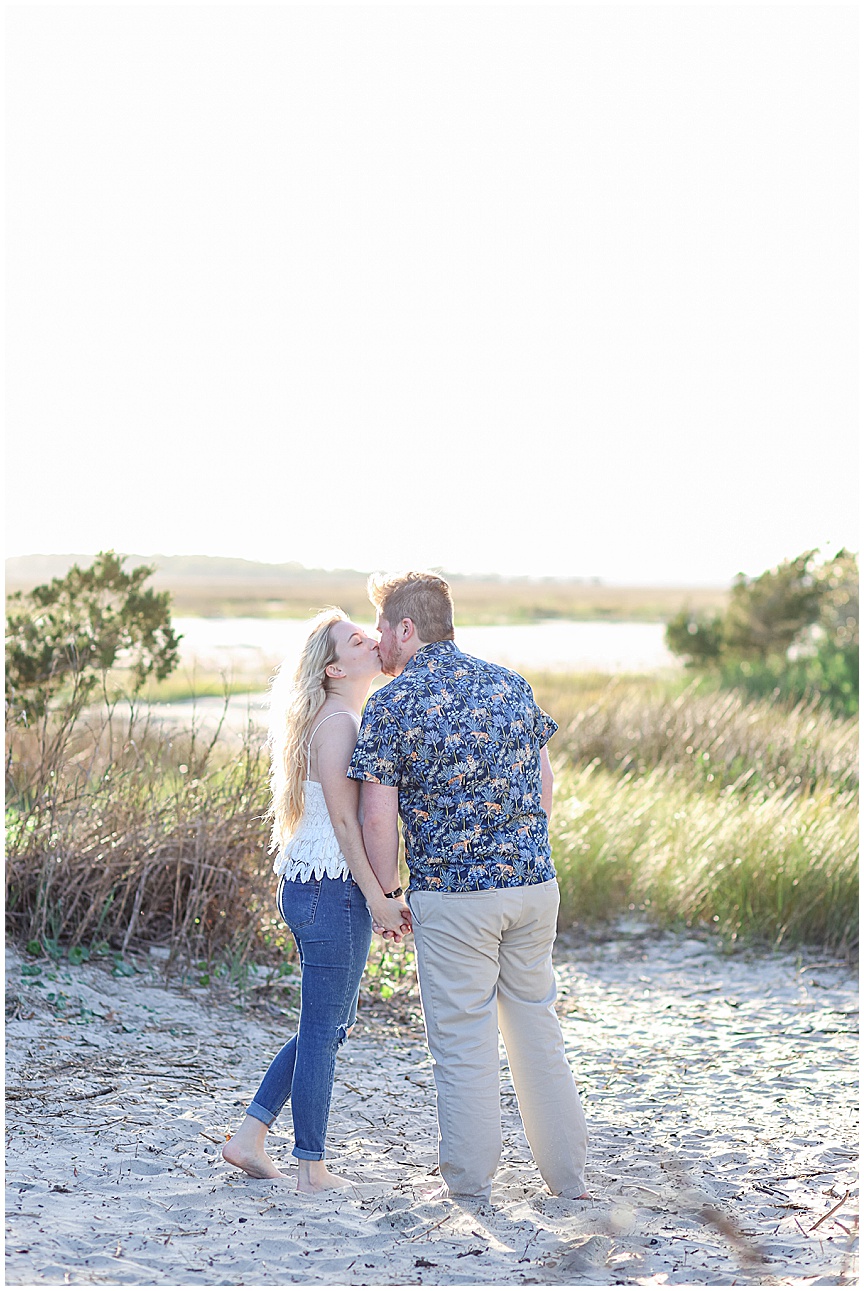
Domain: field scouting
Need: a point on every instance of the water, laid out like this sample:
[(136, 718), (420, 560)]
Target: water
[(253, 645)]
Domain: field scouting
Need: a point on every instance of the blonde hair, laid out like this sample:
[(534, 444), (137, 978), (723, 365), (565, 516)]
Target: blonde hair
[(293, 706), (417, 595)]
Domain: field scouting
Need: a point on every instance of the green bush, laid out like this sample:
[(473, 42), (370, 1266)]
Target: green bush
[(792, 633), (64, 636), (828, 676)]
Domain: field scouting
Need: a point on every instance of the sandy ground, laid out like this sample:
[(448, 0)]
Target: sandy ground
[(720, 1093)]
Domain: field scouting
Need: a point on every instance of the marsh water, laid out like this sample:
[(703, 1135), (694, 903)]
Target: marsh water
[(251, 645)]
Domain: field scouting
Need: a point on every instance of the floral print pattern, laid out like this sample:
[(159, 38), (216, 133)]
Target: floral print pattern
[(461, 740)]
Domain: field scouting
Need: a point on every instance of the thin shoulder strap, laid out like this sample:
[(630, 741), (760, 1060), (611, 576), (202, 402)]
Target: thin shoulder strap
[(339, 712)]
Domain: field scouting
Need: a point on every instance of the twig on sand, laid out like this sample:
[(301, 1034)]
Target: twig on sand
[(830, 1212), (417, 1236), (805, 1174)]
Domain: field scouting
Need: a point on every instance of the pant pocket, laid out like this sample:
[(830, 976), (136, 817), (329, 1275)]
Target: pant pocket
[(298, 902)]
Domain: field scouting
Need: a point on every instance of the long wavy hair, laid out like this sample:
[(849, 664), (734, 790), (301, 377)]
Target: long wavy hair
[(293, 705)]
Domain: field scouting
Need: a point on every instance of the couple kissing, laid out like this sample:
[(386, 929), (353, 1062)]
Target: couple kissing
[(455, 747)]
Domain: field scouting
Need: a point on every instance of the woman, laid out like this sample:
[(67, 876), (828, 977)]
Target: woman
[(328, 893)]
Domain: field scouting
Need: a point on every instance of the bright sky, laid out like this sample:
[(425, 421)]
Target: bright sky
[(556, 290)]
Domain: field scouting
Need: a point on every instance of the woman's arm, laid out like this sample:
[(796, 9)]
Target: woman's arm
[(334, 746)]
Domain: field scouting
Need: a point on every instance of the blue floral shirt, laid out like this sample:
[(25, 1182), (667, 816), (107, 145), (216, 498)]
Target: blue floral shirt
[(461, 740)]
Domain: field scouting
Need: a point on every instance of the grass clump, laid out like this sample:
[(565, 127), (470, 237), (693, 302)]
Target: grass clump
[(766, 866), (711, 737), (693, 806), (125, 834)]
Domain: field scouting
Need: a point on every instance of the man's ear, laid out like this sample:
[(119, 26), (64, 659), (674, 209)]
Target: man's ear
[(406, 629)]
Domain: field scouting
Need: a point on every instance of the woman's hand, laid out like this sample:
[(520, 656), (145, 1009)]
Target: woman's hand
[(391, 918)]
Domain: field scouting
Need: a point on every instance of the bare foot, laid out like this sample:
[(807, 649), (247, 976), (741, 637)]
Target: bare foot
[(319, 1179), (257, 1164)]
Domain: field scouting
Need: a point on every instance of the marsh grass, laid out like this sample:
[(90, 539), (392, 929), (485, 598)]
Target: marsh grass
[(197, 683), (478, 600), (688, 806), (131, 835), (768, 865), (214, 587), (711, 737)]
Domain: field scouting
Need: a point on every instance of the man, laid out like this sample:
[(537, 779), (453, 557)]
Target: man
[(456, 747)]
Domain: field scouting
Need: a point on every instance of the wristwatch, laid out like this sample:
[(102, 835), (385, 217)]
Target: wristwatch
[(397, 892)]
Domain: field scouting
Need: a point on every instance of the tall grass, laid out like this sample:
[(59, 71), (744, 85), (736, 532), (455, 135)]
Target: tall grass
[(632, 725), (768, 865), (689, 806), (697, 806), (132, 835)]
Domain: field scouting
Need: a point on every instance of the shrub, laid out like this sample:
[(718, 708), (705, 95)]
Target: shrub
[(791, 633), (65, 635)]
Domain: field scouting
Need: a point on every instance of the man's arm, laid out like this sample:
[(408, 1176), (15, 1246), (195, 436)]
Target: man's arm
[(547, 781), (342, 795), (379, 811)]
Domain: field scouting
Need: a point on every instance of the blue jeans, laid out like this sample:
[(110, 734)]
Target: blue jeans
[(332, 927)]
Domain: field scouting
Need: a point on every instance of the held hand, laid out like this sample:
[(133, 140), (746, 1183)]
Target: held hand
[(405, 931), (391, 918), (397, 937)]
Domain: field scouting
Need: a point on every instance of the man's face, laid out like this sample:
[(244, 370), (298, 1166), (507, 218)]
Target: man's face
[(388, 647)]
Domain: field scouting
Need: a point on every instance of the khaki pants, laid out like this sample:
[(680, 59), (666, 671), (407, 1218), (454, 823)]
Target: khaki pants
[(484, 960)]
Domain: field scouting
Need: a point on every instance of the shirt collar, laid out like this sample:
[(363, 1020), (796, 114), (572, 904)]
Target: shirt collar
[(434, 650)]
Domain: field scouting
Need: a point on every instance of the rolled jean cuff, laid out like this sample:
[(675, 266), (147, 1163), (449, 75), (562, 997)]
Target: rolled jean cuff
[(302, 1155), (261, 1113)]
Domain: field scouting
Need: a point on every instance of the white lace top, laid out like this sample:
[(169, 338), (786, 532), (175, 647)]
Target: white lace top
[(312, 851)]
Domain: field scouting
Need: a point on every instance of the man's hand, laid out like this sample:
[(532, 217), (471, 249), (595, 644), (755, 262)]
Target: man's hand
[(391, 918)]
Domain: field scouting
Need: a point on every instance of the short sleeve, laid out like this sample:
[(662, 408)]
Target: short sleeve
[(544, 726), (377, 756)]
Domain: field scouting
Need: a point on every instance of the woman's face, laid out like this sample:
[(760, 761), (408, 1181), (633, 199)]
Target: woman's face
[(356, 653)]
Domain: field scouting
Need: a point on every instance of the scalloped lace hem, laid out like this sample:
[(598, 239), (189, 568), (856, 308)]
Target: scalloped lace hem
[(311, 858), (298, 870)]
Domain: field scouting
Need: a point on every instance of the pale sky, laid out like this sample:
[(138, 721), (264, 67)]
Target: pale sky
[(562, 290)]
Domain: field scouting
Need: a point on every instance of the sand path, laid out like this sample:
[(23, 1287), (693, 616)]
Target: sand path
[(720, 1093)]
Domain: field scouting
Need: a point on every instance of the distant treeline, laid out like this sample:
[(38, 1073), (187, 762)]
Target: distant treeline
[(214, 586)]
